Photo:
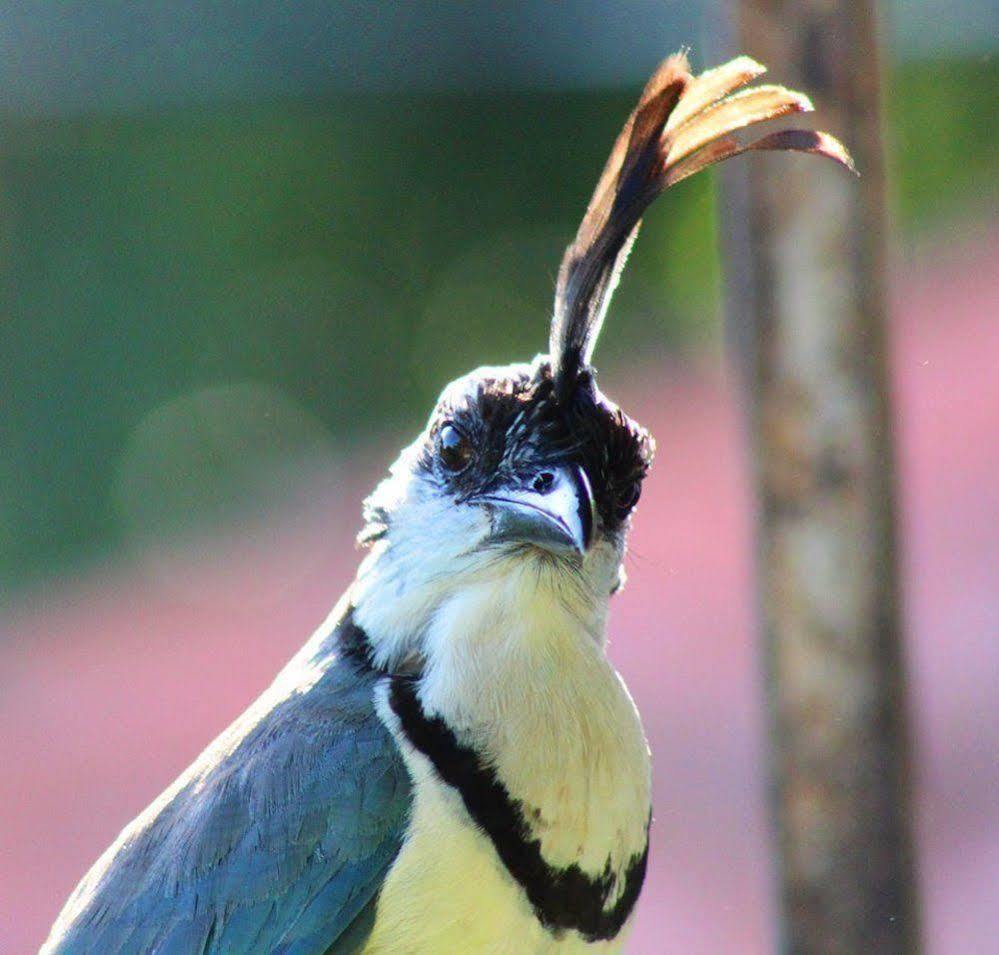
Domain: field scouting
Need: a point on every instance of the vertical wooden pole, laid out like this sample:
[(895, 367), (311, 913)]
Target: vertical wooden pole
[(807, 314)]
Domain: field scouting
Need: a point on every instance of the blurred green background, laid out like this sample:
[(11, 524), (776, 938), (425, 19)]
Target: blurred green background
[(227, 240)]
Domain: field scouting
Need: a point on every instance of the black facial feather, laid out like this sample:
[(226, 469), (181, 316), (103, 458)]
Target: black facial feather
[(517, 427)]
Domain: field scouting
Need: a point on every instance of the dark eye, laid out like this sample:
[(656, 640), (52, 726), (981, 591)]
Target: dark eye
[(627, 499), (454, 448)]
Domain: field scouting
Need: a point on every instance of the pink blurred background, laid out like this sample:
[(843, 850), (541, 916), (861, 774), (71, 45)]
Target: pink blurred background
[(111, 683)]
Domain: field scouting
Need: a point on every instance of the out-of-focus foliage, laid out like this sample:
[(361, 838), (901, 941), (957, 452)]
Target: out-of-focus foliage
[(943, 139), (355, 254), (351, 255)]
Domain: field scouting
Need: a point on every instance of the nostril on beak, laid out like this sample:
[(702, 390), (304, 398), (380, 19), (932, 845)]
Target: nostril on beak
[(544, 482)]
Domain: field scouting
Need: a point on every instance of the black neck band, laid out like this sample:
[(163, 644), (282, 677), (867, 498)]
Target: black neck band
[(562, 898)]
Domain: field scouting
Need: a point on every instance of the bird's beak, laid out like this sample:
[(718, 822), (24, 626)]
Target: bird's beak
[(553, 510)]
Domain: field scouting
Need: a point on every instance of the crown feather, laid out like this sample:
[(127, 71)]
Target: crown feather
[(681, 125)]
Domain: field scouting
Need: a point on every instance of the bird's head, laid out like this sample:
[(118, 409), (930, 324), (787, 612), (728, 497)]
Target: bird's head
[(506, 471), (530, 466)]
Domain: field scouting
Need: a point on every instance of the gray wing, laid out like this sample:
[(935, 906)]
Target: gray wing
[(277, 839)]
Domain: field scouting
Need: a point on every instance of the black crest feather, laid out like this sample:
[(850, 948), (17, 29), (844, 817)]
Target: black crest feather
[(681, 125)]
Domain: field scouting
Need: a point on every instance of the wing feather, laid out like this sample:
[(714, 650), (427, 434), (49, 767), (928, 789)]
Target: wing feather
[(275, 840)]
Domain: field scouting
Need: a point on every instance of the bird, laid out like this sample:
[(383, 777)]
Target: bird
[(451, 763)]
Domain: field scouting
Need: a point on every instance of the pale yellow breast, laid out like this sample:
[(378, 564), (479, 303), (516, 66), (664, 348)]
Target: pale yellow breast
[(448, 892), (511, 668)]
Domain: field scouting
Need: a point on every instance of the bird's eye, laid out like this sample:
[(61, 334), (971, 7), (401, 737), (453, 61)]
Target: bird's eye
[(455, 449), (627, 499)]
